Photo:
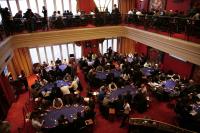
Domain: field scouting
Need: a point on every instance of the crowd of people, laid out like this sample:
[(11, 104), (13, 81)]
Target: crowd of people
[(131, 74), (171, 21), (59, 97), (33, 21), (161, 19)]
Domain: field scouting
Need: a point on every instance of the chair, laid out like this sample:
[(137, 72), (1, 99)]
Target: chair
[(89, 126), (112, 113)]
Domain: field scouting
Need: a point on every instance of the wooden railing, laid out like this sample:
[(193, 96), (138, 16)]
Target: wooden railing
[(161, 126)]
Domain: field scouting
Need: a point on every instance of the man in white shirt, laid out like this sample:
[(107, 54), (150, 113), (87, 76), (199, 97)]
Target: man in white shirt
[(65, 90), (130, 12), (138, 13), (127, 110), (196, 16)]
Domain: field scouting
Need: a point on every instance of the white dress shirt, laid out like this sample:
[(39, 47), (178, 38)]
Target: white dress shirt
[(65, 90)]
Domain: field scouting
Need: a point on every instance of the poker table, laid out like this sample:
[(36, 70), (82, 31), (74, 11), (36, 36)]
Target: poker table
[(122, 91), (103, 75), (70, 112), (169, 84), (59, 83), (147, 71), (61, 67)]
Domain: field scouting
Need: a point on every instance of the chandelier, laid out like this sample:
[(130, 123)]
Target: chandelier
[(102, 4)]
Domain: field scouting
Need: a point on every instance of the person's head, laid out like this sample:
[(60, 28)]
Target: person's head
[(125, 101), (142, 85), (58, 12), (112, 86), (191, 81), (20, 11), (29, 10), (43, 7)]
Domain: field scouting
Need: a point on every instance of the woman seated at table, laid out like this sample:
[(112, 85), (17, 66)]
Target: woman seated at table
[(57, 103), (67, 77), (112, 87)]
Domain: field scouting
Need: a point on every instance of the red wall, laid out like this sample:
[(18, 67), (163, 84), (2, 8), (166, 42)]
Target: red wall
[(86, 5), (141, 48), (180, 6), (171, 5), (177, 66)]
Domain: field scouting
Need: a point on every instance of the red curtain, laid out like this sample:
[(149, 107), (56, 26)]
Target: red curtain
[(86, 5), (177, 66), (90, 46), (141, 48), (8, 91)]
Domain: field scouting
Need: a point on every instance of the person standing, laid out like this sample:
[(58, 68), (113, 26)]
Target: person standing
[(24, 79), (30, 20), (127, 110), (6, 20), (45, 19)]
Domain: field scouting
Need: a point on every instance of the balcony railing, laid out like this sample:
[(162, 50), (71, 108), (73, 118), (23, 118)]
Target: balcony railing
[(178, 27)]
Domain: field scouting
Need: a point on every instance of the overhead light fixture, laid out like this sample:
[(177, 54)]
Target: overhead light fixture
[(102, 4)]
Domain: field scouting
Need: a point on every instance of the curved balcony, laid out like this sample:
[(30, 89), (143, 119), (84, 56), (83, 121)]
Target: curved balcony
[(177, 27), (144, 125), (188, 51)]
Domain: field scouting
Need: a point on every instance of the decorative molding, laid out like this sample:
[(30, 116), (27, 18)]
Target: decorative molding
[(187, 50), (64, 36)]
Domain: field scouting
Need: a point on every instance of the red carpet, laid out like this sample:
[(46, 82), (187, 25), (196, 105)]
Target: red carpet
[(158, 111), (15, 115)]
